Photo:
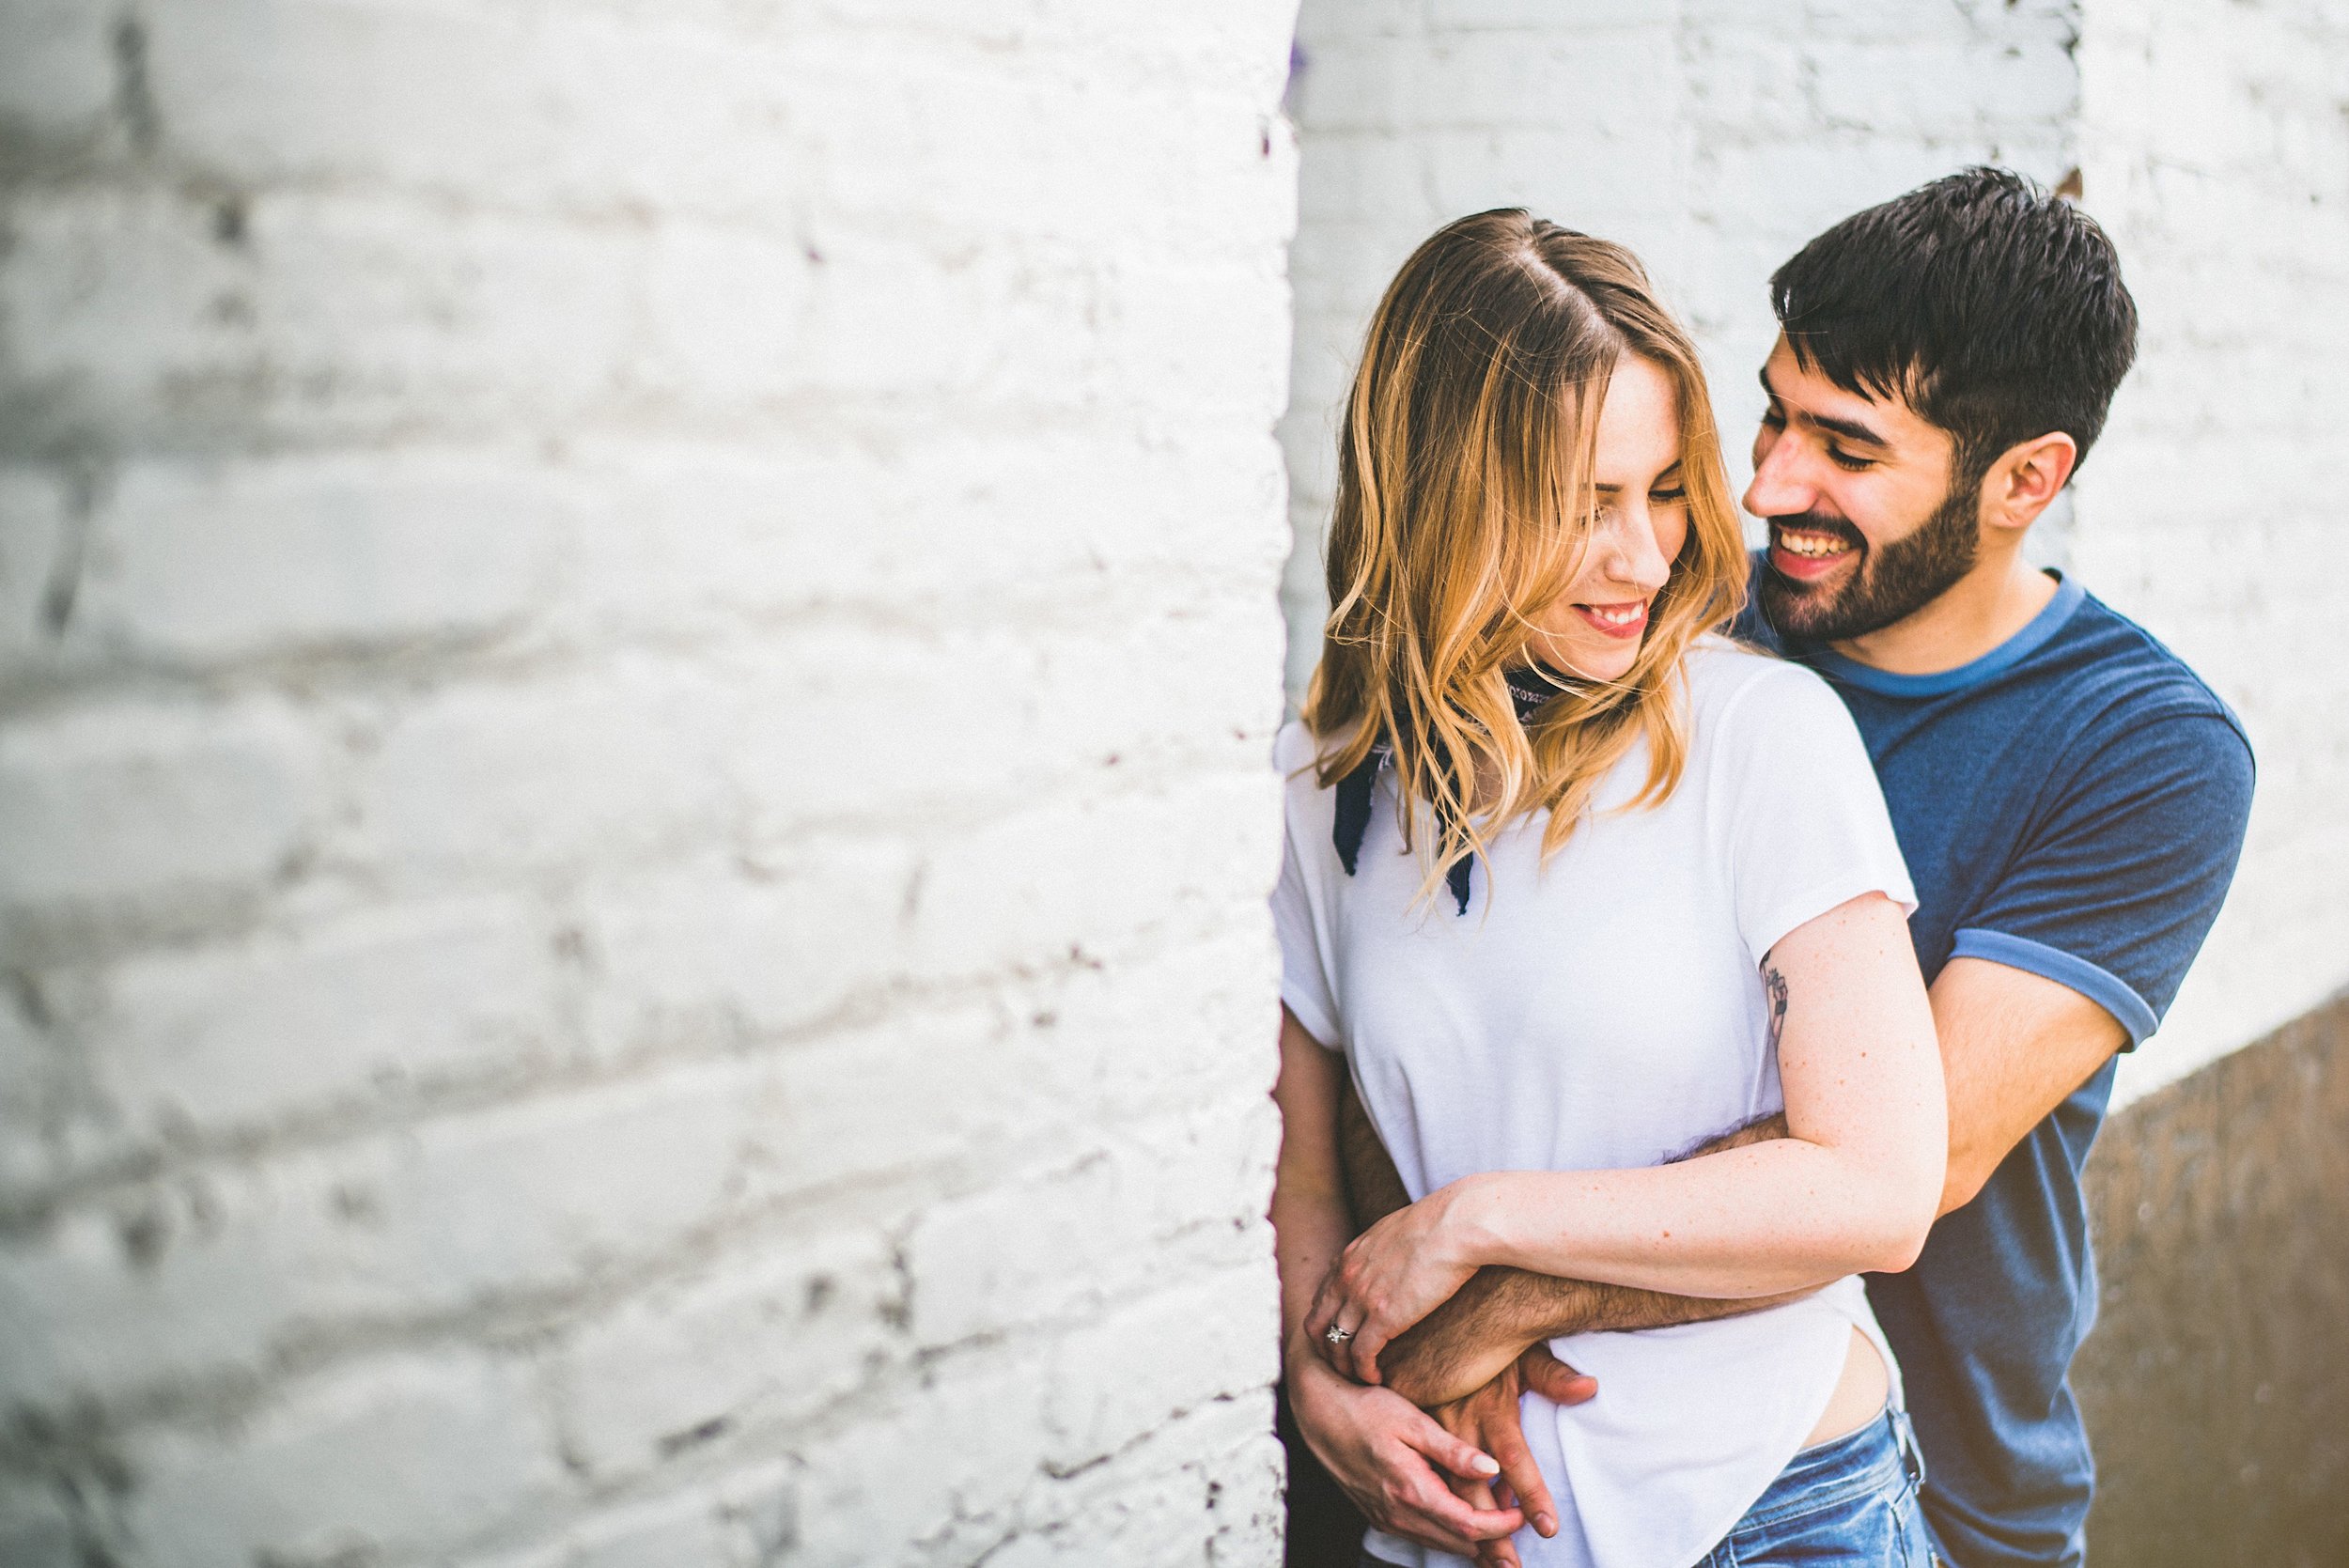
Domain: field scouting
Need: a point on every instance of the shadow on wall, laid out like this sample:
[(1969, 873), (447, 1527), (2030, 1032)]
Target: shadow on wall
[(2216, 1381)]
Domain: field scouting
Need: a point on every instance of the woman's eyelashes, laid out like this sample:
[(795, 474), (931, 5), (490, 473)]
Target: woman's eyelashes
[(1608, 509)]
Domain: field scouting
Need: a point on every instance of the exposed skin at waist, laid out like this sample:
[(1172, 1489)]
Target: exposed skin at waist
[(1860, 1394)]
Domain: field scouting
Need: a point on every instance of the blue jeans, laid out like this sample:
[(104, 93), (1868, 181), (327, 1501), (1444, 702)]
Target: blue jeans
[(1850, 1502)]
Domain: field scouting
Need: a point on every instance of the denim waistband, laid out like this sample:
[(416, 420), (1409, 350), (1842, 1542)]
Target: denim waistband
[(1868, 1459)]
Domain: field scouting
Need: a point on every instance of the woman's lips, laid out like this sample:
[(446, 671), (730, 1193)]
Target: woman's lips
[(1805, 554), (1625, 621)]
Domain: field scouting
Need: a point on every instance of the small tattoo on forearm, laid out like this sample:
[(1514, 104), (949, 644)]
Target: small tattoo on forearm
[(1774, 983)]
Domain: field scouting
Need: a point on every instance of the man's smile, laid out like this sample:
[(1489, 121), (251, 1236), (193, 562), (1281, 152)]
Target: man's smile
[(1809, 554)]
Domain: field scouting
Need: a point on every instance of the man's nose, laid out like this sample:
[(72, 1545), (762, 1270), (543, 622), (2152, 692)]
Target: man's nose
[(1781, 487)]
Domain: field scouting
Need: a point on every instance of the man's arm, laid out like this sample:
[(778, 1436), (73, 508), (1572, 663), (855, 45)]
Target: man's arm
[(2014, 1046)]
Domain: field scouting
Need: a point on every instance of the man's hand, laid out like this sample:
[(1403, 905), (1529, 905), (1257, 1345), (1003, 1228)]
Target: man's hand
[(1395, 1462), (1491, 1420)]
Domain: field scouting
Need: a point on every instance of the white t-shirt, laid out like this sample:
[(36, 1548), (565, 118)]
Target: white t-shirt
[(1607, 1012)]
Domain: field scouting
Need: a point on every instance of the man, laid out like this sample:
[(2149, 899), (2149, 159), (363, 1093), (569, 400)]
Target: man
[(2070, 797)]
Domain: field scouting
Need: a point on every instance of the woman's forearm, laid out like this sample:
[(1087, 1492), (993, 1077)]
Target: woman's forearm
[(1309, 1230), (1310, 1224), (1852, 1187), (1454, 1350), (1780, 1216)]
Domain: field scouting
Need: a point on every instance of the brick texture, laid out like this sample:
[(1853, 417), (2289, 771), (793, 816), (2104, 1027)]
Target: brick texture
[(637, 647), (2217, 150)]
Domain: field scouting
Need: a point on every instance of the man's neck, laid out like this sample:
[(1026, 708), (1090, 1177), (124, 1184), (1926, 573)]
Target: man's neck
[(1973, 615)]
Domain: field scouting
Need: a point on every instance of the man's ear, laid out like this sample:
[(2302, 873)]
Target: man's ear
[(2027, 476)]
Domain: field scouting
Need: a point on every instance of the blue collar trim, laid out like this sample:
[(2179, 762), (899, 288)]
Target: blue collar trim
[(2033, 636)]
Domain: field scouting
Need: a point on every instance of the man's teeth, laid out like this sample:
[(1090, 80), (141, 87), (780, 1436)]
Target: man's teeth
[(1615, 615), (1812, 545)]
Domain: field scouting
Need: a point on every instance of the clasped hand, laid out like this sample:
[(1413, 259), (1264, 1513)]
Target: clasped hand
[(1389, 1278), (1458, 1476)]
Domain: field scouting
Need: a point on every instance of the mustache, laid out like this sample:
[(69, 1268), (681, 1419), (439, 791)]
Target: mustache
[(1820, 523)]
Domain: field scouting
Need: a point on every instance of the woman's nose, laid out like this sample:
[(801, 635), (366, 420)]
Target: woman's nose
[(1635, 557)]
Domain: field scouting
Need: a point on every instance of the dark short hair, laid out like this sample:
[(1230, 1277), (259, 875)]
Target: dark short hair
[(1993, 308)]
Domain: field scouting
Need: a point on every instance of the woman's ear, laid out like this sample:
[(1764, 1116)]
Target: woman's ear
[(2027, 476)]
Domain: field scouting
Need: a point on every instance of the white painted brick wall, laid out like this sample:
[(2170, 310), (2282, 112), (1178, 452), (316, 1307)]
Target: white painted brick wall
[(636, 657), (2216, 149)]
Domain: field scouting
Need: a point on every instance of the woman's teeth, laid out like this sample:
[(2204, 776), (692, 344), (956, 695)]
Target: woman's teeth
[(1615, 615), (1814, 546)]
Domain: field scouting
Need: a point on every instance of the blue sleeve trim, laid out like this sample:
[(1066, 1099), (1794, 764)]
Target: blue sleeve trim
[(2101, 986)]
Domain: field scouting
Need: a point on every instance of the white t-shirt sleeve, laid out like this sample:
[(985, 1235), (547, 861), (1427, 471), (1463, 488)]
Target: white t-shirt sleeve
[(1807, 825), (1305, 974)]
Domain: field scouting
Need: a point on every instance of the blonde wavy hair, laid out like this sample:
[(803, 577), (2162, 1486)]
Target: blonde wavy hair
[(1465, 504)]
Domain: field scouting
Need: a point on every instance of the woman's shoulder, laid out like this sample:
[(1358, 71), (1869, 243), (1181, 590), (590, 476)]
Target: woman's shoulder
[(1297, 753), (1744, 700), (1723, 674), (1295, 750), (1307, 808)]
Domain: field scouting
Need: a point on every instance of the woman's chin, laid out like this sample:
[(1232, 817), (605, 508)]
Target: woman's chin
[(1600, 665)]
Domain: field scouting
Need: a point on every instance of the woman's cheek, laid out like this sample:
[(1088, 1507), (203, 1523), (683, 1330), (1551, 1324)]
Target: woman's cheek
[(1673, 537)]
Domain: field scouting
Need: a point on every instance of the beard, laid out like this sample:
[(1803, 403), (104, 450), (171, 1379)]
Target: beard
[(1892, 582)]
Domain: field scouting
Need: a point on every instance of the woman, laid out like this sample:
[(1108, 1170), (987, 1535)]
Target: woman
[(1573, 884)]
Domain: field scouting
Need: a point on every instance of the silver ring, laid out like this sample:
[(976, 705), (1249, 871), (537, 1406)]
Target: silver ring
[(1337, 1335)]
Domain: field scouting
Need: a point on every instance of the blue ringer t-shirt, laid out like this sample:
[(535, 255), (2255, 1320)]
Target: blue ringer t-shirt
[(2071, 803)]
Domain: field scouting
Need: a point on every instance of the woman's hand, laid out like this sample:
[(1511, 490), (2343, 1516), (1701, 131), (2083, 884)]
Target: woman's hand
[(1400, 1468), (1390, 1277)]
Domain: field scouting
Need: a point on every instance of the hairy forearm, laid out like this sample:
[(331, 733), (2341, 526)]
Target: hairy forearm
[(1500, 1311), (1374, 1188), (1456, 1349)]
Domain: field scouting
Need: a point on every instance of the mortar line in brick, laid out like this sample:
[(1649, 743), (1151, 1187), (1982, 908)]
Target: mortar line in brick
[(28, 1211), (552, 642), (525, 1327)]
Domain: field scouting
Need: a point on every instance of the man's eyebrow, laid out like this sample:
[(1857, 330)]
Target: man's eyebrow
[(1850, 430)]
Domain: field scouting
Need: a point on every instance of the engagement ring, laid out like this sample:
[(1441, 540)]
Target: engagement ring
[(1337, 1335)]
